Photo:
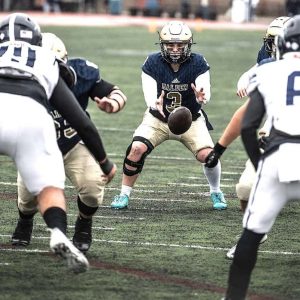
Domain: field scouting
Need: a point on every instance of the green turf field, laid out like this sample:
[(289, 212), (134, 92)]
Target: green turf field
[(169, 244)]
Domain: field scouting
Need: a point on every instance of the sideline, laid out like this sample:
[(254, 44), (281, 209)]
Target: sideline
[(106, 20)]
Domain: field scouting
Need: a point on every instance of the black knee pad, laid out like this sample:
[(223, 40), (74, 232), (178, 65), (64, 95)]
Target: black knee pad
[(136, 164)]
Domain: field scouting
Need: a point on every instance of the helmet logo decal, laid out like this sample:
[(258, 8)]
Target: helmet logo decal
[(26, 34)]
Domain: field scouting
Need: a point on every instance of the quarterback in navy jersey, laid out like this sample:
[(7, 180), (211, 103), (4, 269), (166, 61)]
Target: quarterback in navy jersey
[(83, 77), (174, 77)]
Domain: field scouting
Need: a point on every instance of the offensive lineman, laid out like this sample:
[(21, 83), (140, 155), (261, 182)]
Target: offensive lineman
[(80, 166), (171, 78), (274, 92), (30, 81)]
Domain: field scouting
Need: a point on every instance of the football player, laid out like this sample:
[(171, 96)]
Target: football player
[(276, 182), (30, 83), (232, 131), (80, 166), (172, 78)]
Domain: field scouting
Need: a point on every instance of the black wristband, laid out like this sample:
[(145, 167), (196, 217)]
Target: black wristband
[(106, 166), (219, 148)]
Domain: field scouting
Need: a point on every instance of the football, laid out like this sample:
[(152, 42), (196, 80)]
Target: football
[(180, 120)]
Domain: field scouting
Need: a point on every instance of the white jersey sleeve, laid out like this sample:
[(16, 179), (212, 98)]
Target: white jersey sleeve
[(279, 84), (29, 59), (203, 81), (149, 89)]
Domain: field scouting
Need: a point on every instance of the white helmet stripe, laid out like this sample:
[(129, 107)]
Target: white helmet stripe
[(11, 27)]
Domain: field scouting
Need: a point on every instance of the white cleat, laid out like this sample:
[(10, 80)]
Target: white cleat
[(62, 246), (231, 251)]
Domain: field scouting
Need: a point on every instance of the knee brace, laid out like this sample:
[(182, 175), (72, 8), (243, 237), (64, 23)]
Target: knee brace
[(136, 164), (243, 191)]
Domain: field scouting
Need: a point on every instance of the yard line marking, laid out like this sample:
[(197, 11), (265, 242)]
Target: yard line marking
[(162, 200), (5, 264), (189, 246), (156, 245), (114, 217), (24, 250), (72, 226)]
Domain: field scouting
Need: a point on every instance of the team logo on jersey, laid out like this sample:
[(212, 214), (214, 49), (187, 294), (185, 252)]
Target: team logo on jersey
[(175, 81)]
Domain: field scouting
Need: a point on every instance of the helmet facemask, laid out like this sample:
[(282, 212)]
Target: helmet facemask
[(175, 52), (269, 43)]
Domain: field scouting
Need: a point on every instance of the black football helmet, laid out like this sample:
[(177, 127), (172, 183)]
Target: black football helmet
[(289, 39), (20, 27), (175, 32)]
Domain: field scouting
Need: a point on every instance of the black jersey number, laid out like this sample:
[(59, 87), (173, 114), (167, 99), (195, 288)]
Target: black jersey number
[(17, 55), (176, 99)]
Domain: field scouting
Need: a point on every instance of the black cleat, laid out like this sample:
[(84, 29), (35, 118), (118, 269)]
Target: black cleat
[(22, 233), (82, 238)]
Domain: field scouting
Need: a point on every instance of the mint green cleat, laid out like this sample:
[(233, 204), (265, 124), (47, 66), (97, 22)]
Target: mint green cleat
[(218, 200), (120, 202)]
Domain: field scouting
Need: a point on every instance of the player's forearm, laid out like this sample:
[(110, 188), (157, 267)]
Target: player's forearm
[(233, 129), (64, 101)]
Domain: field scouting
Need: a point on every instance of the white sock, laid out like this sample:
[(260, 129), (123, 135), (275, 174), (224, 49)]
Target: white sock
[(213, 176), (126, 190)]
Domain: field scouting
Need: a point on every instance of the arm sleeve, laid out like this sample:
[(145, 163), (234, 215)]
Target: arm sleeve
[(252, 119), (65, 103), (149, 89), (101, 89), (203, 81)]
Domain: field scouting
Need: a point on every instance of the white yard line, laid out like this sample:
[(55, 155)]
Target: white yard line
[(148, 244)]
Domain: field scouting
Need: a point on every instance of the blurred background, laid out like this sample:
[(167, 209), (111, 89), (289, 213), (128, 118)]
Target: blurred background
[(238, 11)]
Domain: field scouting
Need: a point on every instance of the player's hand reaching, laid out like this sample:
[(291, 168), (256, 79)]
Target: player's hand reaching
[(242, 92), (213, 157), (200, 95), (159, 104), (109, 170), (105, 104)]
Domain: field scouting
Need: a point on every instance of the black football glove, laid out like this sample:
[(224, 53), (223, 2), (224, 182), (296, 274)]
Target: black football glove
[(213, 157)]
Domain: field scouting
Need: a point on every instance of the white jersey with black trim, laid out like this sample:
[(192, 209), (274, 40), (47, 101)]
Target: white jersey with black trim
[(20, 60), (279, 84)]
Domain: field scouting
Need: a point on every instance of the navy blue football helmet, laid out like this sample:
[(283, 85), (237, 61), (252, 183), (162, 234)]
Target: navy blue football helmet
[(289, 39), (20, 27)]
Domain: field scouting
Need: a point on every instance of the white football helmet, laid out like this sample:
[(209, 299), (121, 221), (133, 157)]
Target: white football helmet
[(274, 29), (175, 32), (54, 43)]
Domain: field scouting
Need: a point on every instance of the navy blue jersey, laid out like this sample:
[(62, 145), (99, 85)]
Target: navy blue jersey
[(267, 60), (262, 54), (176, 85), (88, 75)]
